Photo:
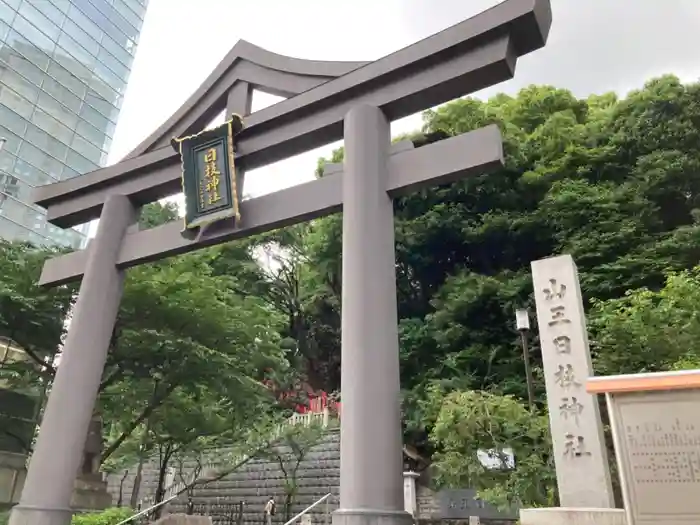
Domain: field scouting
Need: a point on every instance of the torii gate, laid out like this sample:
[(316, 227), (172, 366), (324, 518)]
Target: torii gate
[(327, 101)]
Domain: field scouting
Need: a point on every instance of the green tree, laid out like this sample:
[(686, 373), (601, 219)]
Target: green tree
[(474, 433), (158, 213), (288, 452), (33, 319), (649, 330), (180, 326), (31, 316), (611, 181), (190, 423)]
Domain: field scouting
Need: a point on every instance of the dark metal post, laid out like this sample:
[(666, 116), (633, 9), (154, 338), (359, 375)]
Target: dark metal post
[(522, 323), (528, 370)]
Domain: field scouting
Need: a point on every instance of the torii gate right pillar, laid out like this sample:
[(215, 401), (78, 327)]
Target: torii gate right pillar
[(371, 481)]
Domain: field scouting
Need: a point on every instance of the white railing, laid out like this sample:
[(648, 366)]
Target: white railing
[(308, 509), (211, 469), (308, 419)]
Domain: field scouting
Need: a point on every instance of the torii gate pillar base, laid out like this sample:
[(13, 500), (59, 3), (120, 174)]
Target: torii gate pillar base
[(27, 515), (371, 517)]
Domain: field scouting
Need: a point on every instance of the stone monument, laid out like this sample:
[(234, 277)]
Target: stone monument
[(463, 504), (580, 455), (655, 420), (12, 475), (327, 101), (90, 490)]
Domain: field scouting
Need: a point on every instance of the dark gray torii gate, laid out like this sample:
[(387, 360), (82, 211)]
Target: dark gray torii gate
[(328, 100)]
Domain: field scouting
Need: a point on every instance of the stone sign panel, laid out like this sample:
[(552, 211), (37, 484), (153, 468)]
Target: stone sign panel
[(658, 448), (583, 476), (461, 504)]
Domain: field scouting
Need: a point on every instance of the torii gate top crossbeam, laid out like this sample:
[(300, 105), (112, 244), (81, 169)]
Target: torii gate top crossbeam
[(464, 58), (409, 169)]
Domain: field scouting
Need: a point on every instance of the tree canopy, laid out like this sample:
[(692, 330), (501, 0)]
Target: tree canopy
[(613, 182), (189, 354)]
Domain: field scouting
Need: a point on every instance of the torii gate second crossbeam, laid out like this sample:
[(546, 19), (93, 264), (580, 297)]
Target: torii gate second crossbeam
[(328, 100)]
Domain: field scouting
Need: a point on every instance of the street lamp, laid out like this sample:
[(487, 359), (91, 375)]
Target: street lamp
[(3, 183), (522, 323)]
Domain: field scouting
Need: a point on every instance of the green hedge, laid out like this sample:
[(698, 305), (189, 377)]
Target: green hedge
[(106, 517)]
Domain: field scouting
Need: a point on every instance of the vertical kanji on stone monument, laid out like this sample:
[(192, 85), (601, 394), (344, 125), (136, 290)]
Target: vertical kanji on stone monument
[(581, 459)]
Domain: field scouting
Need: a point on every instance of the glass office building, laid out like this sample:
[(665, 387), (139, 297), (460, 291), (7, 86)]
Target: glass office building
[(64, 66)]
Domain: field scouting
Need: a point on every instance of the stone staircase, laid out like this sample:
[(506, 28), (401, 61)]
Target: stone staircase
[(258, 479), (253, 482)]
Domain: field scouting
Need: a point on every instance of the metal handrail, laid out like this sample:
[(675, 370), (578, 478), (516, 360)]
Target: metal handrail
[(141, 513), (307, 509)]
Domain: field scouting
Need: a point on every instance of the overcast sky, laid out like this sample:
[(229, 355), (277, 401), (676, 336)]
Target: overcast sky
[(594, 46)]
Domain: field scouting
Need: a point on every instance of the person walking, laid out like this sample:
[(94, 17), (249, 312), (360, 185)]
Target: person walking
[(270, 510)]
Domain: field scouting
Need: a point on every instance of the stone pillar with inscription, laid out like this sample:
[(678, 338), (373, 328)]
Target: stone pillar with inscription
[(581, 459)]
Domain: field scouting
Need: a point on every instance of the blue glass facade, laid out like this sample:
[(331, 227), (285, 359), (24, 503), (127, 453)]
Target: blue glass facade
[(64, 67)]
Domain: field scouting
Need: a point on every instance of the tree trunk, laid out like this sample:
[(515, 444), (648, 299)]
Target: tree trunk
[(160, 490), (145, 414), (288, 500), (121, 489), (133, 502)]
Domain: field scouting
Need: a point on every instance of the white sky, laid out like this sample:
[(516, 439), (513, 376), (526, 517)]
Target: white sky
[(594, 46)]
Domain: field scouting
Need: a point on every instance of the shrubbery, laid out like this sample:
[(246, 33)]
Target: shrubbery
[(107, 517)]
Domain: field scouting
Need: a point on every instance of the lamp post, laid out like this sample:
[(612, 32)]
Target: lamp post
[(3, 140), (522, 323)]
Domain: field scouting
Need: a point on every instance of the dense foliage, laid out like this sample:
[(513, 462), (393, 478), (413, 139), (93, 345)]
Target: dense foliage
[(478, 434), (188, 359), (112, 516), (613, 182)]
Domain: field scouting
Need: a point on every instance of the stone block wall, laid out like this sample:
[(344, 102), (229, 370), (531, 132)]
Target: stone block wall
[(426, 503), (148, 485), (254, 482), (257, 480)]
